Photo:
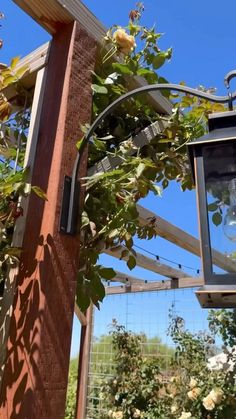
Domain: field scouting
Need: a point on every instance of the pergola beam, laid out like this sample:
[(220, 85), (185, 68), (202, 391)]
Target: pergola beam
[(179, 237), (168, 284), (34, 61), (52, 14), (149, 264), (127, 279), (143, 138)]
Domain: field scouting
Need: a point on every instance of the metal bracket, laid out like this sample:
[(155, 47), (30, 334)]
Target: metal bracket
[(65, 204)]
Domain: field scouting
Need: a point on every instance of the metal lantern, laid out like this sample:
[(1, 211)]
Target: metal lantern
[(213, 162)]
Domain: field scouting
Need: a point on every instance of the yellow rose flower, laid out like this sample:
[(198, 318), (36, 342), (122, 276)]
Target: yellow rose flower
[(217, 395), (185, 415), (193, 383), (117, 415), (194, 393), (136, 413), (124, 41), (174, 408), (208, 403)]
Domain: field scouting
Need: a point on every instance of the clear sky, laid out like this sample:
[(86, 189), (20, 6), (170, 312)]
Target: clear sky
[(202, 34)]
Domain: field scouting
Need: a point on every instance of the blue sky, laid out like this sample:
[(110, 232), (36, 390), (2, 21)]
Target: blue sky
[(202, 35)]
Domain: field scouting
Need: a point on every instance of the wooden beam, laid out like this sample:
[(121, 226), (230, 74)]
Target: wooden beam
[(81, 316), (143, 138), (52, 14), (127, 279), (179, 237), (164, 285), (148, 263), (34, 61)]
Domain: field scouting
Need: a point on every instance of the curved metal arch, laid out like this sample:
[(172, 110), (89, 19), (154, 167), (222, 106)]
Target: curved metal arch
[(69, 210)]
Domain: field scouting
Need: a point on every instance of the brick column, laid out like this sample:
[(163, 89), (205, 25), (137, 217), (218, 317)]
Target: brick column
[(35, 376)]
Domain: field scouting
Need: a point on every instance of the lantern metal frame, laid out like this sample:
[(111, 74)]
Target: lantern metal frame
[(220, 288), (219, 133)]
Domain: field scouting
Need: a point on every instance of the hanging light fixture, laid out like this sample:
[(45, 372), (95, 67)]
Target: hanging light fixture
[(213, 161)]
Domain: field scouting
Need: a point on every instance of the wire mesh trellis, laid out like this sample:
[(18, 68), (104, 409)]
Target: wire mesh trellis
[(146, 313)]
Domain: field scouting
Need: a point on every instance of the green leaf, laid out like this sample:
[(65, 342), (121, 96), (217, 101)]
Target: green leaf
[(165, 183), (100, 145), (97, 77), (122, 68), (124, 254), (13, 251), (144, 72), (97, 290), (38, 191), (21, 71), (107, 273), (156, 189), (131, 263), (9, 80), (212, 207), (140, 169), (79, 143), (82, 297), (217, 218), (158, 60), (84, 219), (14, 62), (102, 90), (128, 240)]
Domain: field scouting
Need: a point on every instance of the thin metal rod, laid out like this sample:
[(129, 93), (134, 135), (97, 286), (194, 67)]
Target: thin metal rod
[(229, 76), (144, 89)]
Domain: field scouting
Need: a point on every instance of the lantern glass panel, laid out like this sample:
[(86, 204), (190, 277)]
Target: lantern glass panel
[(220, 180)]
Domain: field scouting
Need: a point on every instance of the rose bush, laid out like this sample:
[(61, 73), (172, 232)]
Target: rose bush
[(139, 388)]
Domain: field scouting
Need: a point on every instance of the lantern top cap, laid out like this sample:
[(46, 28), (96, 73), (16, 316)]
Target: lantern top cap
[(222, 127)]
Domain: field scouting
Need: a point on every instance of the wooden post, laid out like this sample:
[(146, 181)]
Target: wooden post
[(10, 282), (83, 366), (36, 371)]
